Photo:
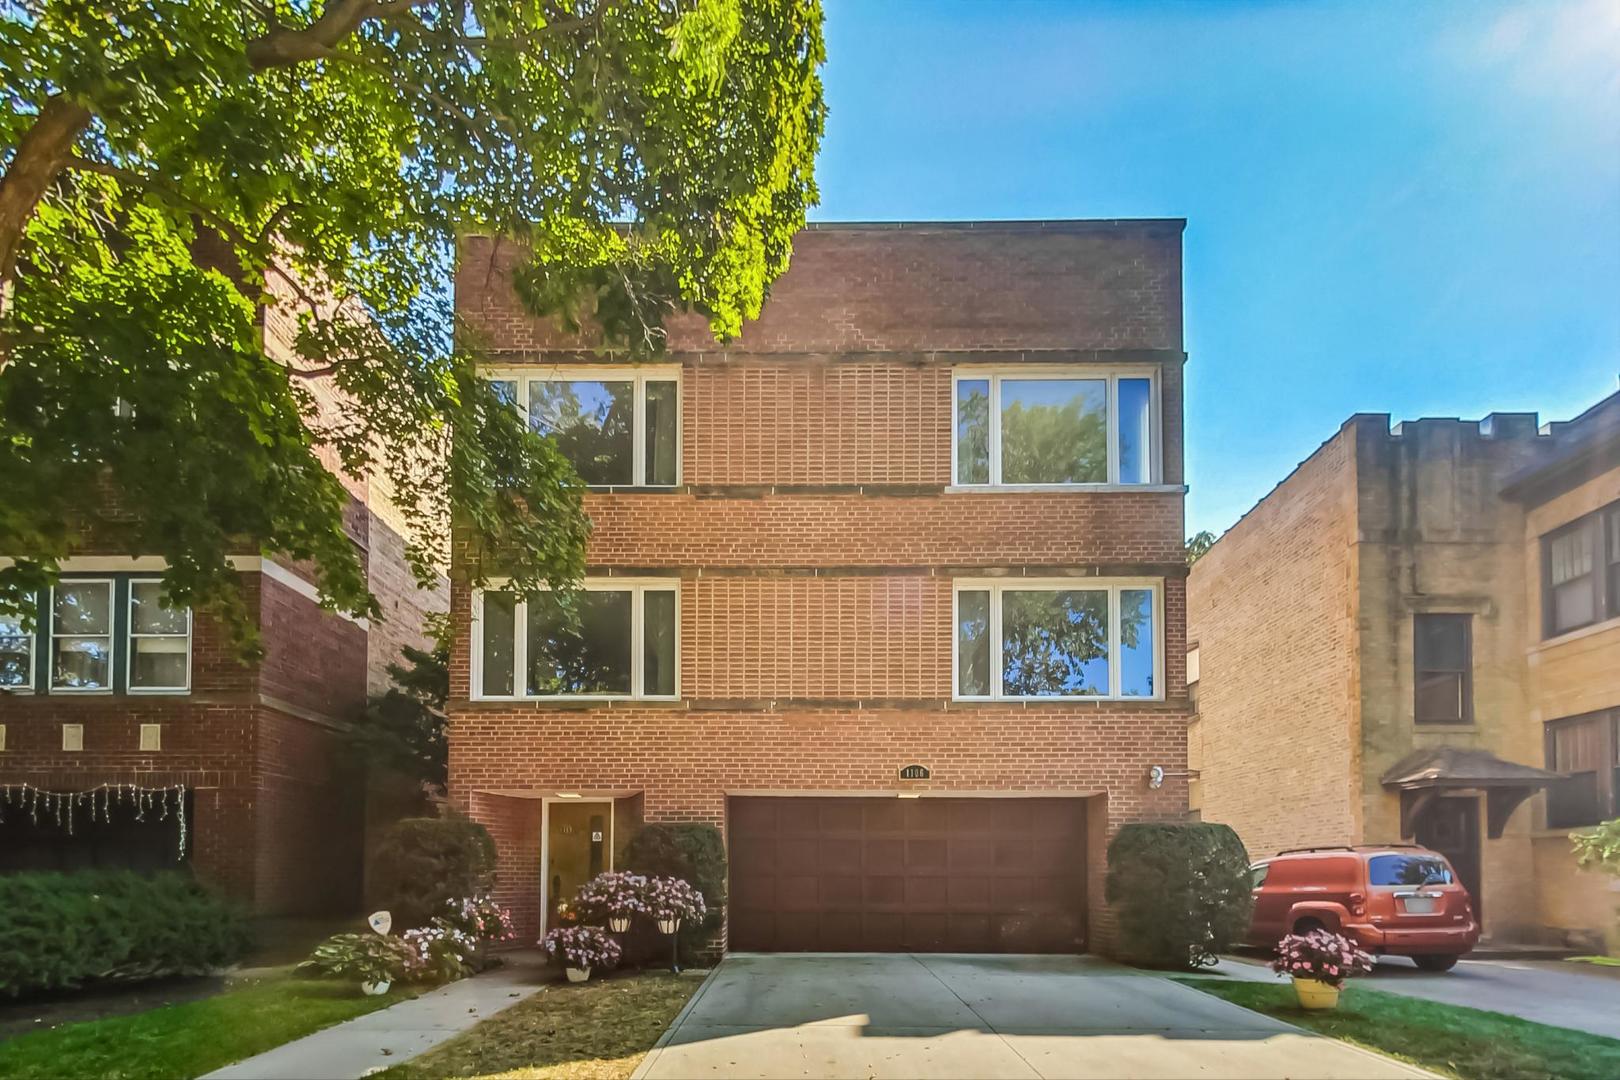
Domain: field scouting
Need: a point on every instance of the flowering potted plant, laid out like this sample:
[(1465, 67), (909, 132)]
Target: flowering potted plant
[(480, 917), (669, 900), (373, 960), (1319, 962), (581, 949), (612, 898), (440, 951)]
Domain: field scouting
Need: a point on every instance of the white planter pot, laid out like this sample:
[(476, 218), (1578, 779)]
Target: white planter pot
[(577, 975), (668, 926), (618, 924), (374, 989)]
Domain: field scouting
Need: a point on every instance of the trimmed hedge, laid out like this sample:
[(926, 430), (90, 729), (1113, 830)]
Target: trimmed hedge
[(1180, 892), (693, 852), (65, 931), (423, 863)]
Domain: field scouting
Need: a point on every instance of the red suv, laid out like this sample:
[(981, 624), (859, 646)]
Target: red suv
[(1393, 900)]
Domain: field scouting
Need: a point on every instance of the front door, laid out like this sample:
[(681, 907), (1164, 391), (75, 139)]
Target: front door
[(1451, 826), (577, 849)]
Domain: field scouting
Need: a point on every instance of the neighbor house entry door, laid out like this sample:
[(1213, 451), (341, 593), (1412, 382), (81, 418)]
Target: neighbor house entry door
[(1451, 827)]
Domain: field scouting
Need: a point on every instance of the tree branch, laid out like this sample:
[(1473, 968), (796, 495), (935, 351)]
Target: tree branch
[(41, 153)]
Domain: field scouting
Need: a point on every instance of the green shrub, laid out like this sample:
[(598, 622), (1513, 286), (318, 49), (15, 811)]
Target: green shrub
[(1180, 892), (64, 931), (423, 863), (693, 852), (365, 957)]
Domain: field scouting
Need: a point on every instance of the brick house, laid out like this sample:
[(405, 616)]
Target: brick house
[(890, 590), (1380, 656), (115, 696)]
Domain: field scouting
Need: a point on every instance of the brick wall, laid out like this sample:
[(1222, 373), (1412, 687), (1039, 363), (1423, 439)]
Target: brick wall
[(1272, 608), (816, 541)]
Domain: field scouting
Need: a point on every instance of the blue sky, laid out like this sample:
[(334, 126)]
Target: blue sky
[(1392, 207)]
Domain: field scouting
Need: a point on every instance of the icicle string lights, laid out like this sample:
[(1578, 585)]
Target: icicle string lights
[(61, 805)]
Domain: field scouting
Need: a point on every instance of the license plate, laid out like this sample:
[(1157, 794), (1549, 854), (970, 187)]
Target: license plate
[(1418, 905)]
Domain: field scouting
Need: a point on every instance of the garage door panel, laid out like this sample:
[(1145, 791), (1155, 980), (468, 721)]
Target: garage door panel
[(885, 874)]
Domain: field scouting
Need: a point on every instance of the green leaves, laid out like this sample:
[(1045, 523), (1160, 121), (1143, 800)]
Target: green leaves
[(238, 278)]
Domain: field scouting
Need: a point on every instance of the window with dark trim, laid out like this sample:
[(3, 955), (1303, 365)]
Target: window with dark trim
[(100, 634), (1586, 749), (1443, 663), (1580, 572)]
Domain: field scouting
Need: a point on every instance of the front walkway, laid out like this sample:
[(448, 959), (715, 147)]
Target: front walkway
[(996, 1017), (1580, 996), (350, 1050)]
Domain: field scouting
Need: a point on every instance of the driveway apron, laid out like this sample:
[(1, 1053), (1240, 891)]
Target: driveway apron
[(939, 1015)]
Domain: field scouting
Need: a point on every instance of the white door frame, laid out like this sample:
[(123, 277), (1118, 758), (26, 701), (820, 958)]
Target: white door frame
[(545, 846)]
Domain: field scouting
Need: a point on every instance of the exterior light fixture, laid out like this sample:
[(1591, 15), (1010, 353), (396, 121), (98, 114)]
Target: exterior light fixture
[(1156, 776), (567, 794)]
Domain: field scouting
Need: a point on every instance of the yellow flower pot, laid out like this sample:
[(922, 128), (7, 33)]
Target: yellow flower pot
[(1315, 994)]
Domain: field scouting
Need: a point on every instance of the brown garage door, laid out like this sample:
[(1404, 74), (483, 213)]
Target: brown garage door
[(914, 875)]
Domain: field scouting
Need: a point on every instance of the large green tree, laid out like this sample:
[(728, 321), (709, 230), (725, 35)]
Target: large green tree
[(185, 180)]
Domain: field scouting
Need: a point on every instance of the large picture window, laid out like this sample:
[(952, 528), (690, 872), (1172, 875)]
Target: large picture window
[(612, 639), (1075, 638), (1587, 749), (1580, 572), (1064, 427), (619, 427)]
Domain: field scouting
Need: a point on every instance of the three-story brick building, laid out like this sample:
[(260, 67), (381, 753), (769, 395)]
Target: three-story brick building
[(891, 589)]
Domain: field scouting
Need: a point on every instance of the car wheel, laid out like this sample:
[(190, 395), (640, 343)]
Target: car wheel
[(1436, 963)]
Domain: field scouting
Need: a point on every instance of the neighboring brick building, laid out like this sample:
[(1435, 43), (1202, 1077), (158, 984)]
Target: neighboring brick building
[(1373, 664), (807, 546), (112, 689)]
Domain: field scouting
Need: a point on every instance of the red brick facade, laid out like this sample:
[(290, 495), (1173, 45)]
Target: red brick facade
[(816, 537)]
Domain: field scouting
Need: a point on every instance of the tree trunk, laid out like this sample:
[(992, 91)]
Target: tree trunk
[(41, 155)]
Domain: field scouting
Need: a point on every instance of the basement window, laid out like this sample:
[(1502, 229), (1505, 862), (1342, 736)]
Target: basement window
[(618, 426), (1057, 428), (614, 638), (1069, 638)]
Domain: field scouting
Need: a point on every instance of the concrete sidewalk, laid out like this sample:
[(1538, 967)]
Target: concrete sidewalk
[(350, 1050), (1561, 994)]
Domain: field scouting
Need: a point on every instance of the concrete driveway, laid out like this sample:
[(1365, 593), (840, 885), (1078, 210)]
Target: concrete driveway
[(915, 1015)]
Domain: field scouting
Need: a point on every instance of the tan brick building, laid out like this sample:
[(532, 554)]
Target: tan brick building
[(1376, 660), (927, 511)]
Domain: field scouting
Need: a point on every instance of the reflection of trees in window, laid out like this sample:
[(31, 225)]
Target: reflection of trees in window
[(579, 647), (590, 422), (1136, 642), (1051, 442), (973, 431), (1054, 642), (973, 643)]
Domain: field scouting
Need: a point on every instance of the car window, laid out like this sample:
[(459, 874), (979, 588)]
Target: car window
[(1257, 875), (1407, 870)]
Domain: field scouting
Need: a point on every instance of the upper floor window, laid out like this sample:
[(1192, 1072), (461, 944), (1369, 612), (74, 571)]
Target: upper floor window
[(1074, 638), (99, 634), (1443, 663), (615, 639), (1580, 572), (1054, 427), (1587, 748), (618, 426)]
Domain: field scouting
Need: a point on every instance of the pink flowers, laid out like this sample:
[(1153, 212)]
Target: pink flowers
[(582, 947), (613, 894), (671, 898), (1321, 955)]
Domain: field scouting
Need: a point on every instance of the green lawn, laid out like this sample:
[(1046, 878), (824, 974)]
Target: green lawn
[(591, 1031), (193, 1038), (1468, 1043)]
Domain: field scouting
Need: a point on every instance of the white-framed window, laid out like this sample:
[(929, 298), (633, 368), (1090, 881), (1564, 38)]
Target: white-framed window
[(1054, 426), (16, 655), (82, 636), (621, 639), (1025, 638), (159, 641), (619, 426)]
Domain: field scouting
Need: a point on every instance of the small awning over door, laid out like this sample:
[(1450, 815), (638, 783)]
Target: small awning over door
[(1425, 775)]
